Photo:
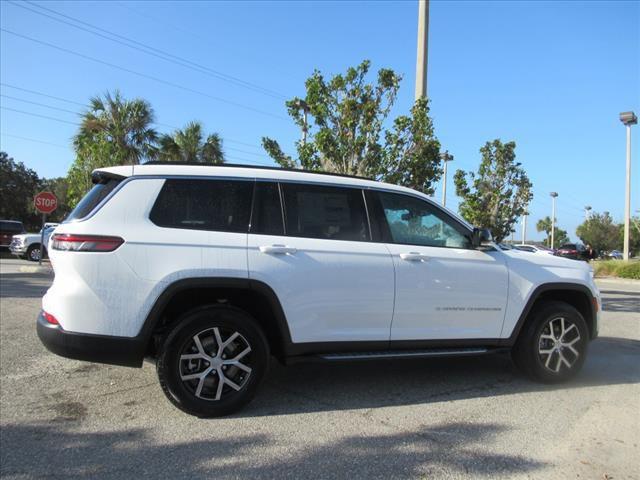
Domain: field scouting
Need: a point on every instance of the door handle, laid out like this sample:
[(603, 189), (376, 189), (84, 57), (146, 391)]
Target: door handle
[(414, 257), (278, 249)]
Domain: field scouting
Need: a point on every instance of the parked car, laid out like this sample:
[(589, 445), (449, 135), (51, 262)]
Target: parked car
[(27, 245), (211, 270), (575, 251), (9, 228), (534, 249), (614, 255)]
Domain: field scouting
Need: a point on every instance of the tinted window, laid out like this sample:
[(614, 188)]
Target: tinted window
[(93, 198), (415, 222), (331, 213), (267, 212), (11, 227), (221, 205), (525, 248)]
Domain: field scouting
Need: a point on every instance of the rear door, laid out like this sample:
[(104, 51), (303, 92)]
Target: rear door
[(312, 245)]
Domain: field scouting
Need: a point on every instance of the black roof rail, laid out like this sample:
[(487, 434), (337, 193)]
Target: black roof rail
[(258, 167)]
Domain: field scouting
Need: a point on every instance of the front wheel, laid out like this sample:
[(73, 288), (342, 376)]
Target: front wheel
[(213, 361), (33, 253), (553, 344)]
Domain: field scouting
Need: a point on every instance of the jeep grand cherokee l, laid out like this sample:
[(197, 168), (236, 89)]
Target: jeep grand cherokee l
[(211, 270)]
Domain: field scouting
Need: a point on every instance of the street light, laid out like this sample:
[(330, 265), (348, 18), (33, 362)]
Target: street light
[(628, 118), (587, 210), (553, 217), (445, 157)]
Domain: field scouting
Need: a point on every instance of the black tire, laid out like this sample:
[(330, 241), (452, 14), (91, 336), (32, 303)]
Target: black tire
[(527, 352), (181, 341), (33, 252)]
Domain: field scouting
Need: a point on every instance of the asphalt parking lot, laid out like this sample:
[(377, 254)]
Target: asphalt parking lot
[(445, 418)]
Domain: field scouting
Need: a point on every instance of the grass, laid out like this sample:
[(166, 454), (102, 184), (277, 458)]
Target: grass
[(617, 268)]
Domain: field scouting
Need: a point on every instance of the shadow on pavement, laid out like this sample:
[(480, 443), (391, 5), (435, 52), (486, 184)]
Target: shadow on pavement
[(60, 451), (24, 285)]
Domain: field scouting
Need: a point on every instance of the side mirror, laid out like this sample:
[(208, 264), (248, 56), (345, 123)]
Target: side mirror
[(481, 237)]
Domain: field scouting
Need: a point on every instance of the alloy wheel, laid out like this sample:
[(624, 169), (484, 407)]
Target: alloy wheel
[(557, 344), (215, 363)]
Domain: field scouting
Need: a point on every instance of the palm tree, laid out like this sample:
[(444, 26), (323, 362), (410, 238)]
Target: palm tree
[(187, 145), (122, 126)]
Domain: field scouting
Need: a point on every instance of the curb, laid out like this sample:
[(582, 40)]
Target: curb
[(626, 281)]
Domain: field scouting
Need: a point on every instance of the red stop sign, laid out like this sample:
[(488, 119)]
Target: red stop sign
[(45, 202)]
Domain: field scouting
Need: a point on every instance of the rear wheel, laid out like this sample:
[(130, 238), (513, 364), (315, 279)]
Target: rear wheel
[(553, 344), (213, 361)]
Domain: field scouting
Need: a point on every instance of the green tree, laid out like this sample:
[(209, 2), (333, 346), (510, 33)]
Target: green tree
[(559, 235), (113, 131), (188, 145), (18, 185), (600, 232), (544, 225), (498, 194), (634, 236), (342, 119)]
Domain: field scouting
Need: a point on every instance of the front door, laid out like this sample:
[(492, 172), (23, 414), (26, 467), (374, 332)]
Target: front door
[(444, 288)]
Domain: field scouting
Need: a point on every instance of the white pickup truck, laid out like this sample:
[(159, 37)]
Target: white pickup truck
[(27, 245)]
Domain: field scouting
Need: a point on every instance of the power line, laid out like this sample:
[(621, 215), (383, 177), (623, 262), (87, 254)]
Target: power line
[(38, 115), (39, 104), (33, 140), (43, 94), (140, 74), (72, 123), (149, 50)]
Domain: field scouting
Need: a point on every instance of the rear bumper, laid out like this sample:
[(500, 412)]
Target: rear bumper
[(125, 351)]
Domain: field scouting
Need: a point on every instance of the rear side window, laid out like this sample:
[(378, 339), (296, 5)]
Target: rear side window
[(267, 210), (331, 213), (218, 205), (93, 198)]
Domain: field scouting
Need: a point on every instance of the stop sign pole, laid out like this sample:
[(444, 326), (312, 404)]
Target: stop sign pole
[(45, 203)]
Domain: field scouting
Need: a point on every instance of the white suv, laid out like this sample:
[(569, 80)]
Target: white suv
[(209, 270)]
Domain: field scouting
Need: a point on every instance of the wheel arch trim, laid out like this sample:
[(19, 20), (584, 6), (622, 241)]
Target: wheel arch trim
[(261, 288), (549, 287)]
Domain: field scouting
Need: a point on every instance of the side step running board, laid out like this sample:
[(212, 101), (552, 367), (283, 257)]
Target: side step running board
[(433, 352)]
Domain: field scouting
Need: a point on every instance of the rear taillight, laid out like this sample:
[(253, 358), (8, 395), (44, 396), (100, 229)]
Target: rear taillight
[(85, 243), (50, 318)]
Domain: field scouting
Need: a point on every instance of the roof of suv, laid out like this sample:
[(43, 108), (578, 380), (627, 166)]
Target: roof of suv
[(246, 171)]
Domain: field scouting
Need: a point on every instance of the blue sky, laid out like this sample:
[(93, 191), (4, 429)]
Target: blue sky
[(553, 76)]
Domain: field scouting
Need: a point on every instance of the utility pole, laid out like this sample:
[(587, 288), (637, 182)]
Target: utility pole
[(628, 118), (446, 157), (302, 105), (553, 218), (423, 50), (524, 229)]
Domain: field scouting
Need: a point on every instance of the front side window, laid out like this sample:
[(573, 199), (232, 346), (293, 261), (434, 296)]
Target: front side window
[(217, 205), (413, 221), (331, 213)]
